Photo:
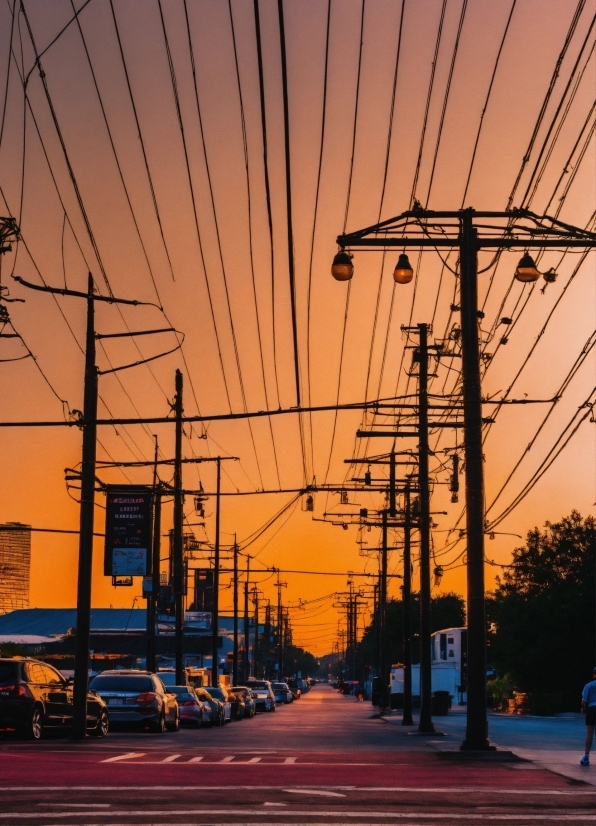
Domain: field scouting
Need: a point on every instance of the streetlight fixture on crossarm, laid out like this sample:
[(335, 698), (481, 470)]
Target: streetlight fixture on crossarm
[(469, 231)]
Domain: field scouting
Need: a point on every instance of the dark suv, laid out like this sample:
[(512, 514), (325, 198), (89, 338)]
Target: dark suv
[(138, 698), (35, 696)]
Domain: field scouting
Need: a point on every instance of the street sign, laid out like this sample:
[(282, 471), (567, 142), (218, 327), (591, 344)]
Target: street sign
[(128, 531)]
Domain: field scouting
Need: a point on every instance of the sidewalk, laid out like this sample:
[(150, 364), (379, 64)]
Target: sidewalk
[(529, 738)]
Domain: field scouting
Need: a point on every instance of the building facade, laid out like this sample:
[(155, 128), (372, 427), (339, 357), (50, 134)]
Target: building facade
[(15, 566)]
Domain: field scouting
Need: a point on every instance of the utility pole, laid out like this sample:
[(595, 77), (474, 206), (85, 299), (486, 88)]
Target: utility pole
[(454, 229), (215, 620), (155, 567), (246, 664), (255, 655), (407, 608), (177, 544), (425, 724), (477, 721), (89, 424), (235, 655), (383, 613), (280, 639)]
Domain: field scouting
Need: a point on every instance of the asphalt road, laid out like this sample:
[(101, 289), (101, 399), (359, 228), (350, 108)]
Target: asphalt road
[(324, 759)]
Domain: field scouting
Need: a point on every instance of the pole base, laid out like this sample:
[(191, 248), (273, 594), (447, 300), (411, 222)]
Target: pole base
[(473, 746)]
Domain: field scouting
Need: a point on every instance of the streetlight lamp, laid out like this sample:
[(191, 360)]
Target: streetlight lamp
[(342, 268), (403, 272), (518, 228), (526, 271)]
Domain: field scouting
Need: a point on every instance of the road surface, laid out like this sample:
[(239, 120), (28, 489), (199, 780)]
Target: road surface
[(325, 759)]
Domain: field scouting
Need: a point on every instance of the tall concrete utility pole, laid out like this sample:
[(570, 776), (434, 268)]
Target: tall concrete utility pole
[(425, 724), (407, 608), (215, 619), (246, 662), (81, 663), (455, 229), (177, 544), (235, 587)]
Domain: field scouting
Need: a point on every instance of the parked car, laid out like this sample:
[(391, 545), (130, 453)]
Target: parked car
[(263, 692), (193, 712), (34, 696), (138, 698), (281, 692), (222, 695), (246, 700), (295, 689), (303, 685), (218, 711)]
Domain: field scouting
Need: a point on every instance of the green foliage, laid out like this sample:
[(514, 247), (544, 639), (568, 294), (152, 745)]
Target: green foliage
[(541, 614), (447, 611), (13, 649), (499, 691)]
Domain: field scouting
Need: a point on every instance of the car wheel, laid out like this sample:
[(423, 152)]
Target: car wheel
[(175, 726), (159, 726), (103, 725), (34, 729)]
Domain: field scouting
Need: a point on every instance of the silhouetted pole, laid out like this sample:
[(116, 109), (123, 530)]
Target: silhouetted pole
[(246, 669), (215, 621), (81, 664), (425, 724), (407, 607), (383, 612), (477, 719), (255, 650), (155, 565), (235, 586), (177, 544)]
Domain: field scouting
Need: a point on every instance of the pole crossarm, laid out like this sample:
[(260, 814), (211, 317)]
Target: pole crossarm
[(429, 228), (78, 294)]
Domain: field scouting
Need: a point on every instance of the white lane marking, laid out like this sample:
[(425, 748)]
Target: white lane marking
[(399, 789), (582, 817), (275, 804), (171, 758), (315, 791), (79, 805), (290, 759), (195, 760), (128, 756), (231, 758)]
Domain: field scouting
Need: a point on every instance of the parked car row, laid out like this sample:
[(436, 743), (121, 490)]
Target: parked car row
[(35, 697)]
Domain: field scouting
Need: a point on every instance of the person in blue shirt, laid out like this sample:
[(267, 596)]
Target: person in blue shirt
[(589, 706)]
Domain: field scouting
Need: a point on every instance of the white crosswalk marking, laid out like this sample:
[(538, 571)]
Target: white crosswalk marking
[(171, 758), (128, 756)]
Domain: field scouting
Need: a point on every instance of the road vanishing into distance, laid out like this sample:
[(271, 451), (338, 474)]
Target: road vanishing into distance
[(326, 759)]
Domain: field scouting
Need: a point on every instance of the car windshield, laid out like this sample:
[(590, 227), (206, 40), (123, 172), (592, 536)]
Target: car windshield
[(124, 682), (217, 693), (259, 684), (8, 671), (167, 677)]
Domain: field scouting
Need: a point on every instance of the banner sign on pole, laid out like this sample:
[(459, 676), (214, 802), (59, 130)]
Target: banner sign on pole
[(128, 531)]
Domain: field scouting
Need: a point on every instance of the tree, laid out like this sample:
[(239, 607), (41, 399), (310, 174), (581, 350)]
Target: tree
[(542, 613), (447, 611)]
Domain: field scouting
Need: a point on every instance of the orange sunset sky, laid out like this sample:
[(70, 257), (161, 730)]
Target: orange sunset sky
[(157, 108)]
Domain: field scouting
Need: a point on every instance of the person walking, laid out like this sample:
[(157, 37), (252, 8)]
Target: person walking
[(589, 706)]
